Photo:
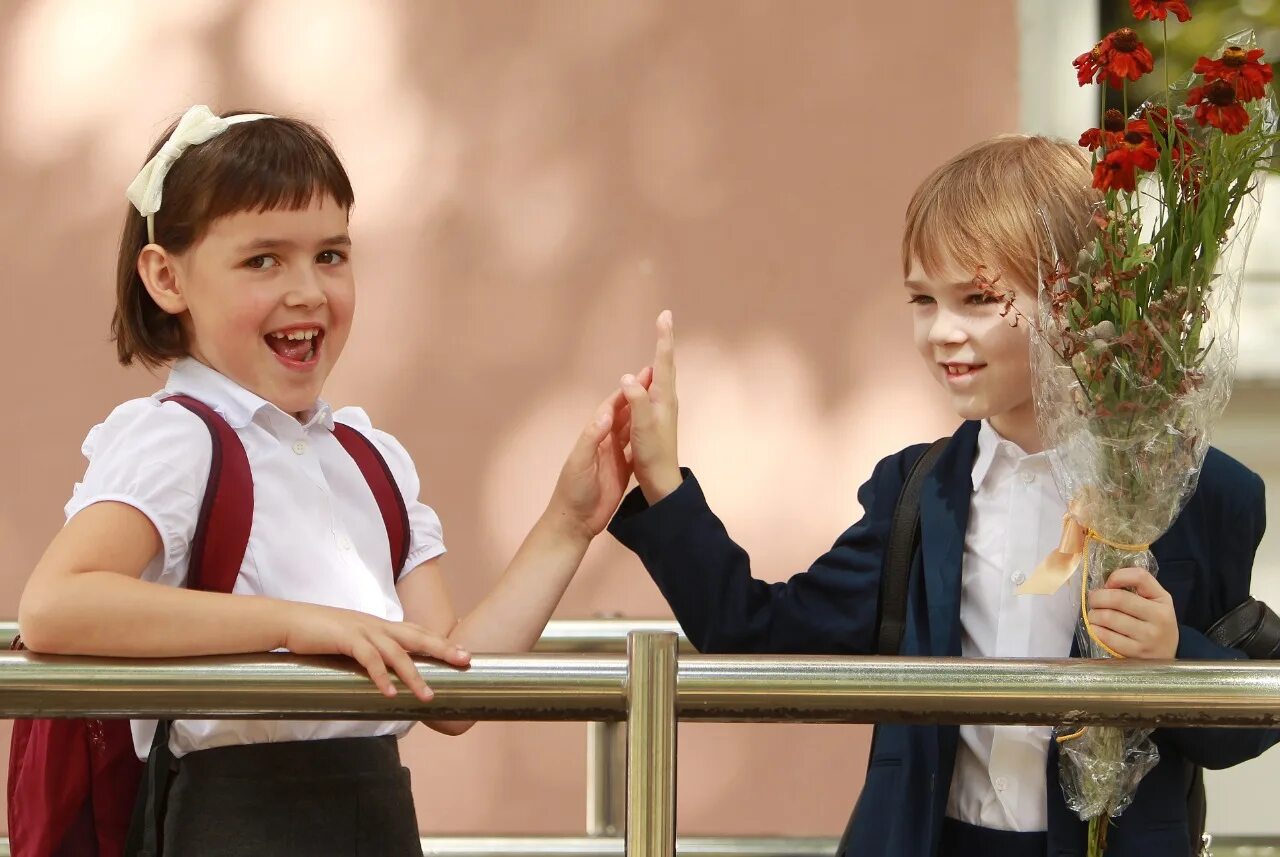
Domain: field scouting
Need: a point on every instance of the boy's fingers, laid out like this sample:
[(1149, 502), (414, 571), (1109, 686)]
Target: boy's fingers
[(1114, 620), (645, 377), (664, 358), (1124, 601), (1139, 580), (1116, 642)]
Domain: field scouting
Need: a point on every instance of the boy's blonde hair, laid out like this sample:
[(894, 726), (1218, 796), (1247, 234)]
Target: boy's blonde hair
[(983, 208)]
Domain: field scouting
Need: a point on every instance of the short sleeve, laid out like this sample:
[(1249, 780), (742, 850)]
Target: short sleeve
[(426, 534), (153, 456)]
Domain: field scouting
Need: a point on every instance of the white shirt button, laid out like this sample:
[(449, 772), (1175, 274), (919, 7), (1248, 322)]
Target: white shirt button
[(1028, 477), (344, 543), (1018, 578), (1001, 784), (300, 446)]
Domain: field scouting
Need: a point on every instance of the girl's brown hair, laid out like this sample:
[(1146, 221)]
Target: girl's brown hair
[(988, 207), (252, 166)]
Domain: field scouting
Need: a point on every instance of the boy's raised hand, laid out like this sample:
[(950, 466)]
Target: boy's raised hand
[(598, 469), (1133, 614), (654, 419)]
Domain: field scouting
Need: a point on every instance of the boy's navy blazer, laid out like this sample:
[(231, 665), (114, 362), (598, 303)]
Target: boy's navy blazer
[(1205, 560)]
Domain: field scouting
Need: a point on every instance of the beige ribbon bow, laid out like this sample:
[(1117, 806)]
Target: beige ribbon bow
[(1057, 568), (198, 125)]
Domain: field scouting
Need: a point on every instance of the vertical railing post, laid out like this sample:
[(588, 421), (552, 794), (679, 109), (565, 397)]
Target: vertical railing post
[(606, 778), (651, 744)]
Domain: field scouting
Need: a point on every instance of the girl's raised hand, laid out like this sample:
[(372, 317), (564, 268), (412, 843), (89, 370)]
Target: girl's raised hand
[(654, 411), (598, 469)]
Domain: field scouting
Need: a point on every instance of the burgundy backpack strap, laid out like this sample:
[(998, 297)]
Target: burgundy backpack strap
[(227, 508), (395, 516)]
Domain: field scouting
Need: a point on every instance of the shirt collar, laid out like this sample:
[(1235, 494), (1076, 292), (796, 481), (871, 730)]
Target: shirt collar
[(233, 403), (990, 446)]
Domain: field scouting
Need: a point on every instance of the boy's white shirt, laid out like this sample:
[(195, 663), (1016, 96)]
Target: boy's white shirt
[(317, 534), (1015, 520)]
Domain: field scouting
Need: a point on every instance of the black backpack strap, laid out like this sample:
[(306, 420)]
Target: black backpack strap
[(1252, 627), (904, 538)]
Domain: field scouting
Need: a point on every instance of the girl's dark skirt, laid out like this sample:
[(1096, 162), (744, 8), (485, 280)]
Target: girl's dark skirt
[(342, 796)]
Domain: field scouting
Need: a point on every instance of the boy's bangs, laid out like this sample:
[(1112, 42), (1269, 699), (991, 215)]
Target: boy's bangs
[(946, 244)]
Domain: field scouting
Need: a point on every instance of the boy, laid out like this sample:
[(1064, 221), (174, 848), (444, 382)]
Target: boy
[(989, 514)]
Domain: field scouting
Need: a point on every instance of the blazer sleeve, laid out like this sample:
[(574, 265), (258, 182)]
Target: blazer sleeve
[(1234, 518), (706, 577)]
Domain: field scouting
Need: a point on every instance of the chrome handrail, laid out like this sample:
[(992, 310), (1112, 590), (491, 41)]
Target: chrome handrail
[(709, 688), (654, 689), (564, 636)]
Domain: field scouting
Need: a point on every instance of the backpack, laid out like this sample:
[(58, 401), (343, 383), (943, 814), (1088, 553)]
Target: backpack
[(74, 784)]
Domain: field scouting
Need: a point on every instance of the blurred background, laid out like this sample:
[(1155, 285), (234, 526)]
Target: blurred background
[(535, 181)]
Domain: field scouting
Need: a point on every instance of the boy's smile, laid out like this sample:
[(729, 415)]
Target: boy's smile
[(976, 354), (960, 374)]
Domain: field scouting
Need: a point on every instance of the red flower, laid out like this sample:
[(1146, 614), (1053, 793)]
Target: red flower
[(1159, 117), (1158, 10), (1120, 56), (1091, 62), (1179, 142), (1109, 135), (1242, 68), (1114, 172), (1216, 104), (1133, 150), (1139, 146)]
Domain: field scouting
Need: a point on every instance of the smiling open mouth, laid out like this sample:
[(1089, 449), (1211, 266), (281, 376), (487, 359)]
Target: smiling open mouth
[(296, 347), (961, 370)]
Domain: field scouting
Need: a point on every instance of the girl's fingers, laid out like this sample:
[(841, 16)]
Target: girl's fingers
[(638, 400), (645, 377), (398, 660), (424, 642), (367, 655), (583, 454), (622, 425)]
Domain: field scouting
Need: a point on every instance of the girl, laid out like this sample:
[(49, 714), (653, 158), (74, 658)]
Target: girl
[(235, 269)]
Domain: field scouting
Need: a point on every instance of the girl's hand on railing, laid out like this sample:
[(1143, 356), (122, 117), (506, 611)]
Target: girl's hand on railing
[(379, 646), (654, 414)]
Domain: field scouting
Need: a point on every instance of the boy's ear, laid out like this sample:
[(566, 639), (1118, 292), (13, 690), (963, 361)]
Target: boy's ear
[(159, 272)]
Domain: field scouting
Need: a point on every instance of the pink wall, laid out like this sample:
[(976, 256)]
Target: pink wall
[(534, 182)]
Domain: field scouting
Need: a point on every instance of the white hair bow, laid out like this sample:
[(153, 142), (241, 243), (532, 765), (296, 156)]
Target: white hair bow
[(198, 125)]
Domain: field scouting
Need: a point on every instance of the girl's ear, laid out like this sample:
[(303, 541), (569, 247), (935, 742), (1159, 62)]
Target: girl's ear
[(159, 272)]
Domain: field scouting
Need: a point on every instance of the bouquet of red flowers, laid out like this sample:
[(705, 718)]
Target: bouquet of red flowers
[(1135, 349)]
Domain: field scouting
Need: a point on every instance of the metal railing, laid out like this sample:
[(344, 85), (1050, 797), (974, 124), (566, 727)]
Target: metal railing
[(653, 689)]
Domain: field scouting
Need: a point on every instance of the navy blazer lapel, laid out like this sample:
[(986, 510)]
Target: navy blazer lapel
[(944, 517)]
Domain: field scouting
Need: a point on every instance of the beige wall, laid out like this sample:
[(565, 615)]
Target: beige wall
[(534, 182)]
